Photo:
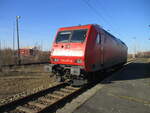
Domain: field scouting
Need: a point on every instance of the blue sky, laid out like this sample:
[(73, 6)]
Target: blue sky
[(40, 20)]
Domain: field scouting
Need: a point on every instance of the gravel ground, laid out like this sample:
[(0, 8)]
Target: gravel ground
[(20, 81)]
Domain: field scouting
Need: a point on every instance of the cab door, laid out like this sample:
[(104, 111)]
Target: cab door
[(102, 37), (100, 50)]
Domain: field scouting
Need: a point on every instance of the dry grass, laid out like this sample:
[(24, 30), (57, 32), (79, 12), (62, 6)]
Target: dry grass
[(8, 56), (149, 60), (23, 78)]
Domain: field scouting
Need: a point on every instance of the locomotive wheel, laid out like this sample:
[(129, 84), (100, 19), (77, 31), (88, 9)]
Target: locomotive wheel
[(59, 79), (91, 77)]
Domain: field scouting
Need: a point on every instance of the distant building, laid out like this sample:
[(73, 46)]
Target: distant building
[(28, 51)]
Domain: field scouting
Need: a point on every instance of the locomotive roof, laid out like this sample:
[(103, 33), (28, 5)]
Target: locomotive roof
[(118, 40), (99, 27)]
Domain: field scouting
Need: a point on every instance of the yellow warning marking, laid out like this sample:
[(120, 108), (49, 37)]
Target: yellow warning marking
[(131, 99)]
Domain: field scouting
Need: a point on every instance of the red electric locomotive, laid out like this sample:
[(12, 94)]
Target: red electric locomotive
[(80, 50)]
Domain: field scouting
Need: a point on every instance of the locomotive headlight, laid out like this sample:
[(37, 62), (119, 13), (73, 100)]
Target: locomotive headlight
[(78, 61), (56, 60)]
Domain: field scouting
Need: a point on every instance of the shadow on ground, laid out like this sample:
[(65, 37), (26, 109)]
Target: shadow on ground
[(132, 71)]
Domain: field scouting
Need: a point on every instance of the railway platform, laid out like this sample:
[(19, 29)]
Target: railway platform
[(128, 91)]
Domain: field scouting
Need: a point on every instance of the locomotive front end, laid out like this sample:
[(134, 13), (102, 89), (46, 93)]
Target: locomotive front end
[(68, 53)]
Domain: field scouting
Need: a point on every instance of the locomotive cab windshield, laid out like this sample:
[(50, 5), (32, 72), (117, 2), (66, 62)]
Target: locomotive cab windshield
[(73, 36)]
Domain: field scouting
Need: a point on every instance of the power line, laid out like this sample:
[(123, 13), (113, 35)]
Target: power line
[(94, 10), (109, 16), (98, 14)]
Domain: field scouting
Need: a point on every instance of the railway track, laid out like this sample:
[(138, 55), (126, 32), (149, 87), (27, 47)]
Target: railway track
[(25, 64), (41, 102), (48, 100)]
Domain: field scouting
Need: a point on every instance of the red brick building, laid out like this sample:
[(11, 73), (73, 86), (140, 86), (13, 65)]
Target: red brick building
[(28, 51)]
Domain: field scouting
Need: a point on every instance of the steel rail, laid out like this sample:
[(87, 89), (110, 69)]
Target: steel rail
[(25, 64), (19, 102)]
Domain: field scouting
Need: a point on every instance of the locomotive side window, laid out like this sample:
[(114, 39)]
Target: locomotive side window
[(63, 36), (98, 39), (78, 35)]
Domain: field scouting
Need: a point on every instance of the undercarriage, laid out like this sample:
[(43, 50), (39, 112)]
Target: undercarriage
[(76, 74)]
